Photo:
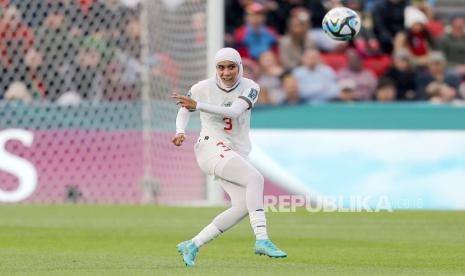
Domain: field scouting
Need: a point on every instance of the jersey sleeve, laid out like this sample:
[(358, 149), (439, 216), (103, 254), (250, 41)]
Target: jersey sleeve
[(182, 119), (236, 109), (195, 92), (250, 95)]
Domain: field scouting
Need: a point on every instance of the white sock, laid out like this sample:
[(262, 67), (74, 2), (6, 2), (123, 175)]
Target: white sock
[(207, 234), (258, 222)]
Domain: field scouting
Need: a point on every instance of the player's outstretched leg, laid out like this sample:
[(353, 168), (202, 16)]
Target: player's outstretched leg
[(189, 249), (240, 171)]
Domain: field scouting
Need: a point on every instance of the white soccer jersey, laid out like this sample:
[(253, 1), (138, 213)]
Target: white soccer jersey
[(234, 132)]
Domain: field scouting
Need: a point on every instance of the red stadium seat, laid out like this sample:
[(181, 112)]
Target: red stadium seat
[(436, 28), (378, 65), (334, 60)]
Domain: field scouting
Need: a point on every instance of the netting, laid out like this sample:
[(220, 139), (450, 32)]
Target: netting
[(88, 83)]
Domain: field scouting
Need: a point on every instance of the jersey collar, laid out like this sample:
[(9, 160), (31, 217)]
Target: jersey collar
[(228, 90)]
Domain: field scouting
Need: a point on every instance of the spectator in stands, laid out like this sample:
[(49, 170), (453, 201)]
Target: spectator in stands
[(4, 5), (33, 11), (131, 37), (366, 43), (290, 86), (17, 91), (263, 98), (16, 37), (324, 43), (355, 5), (163, 75), (251, 69), (365, 80), (34, 75), (69, 98), (53, 36), (388, 20), (416, 38), (234, 18), (425, 7), (402, 73), (83, 77), (127, 52), (255, 37), (269, 78), (30, 73), (116, 89), (346, 91), (317, 81), (318, 9), (297, 38), (279, 13), (437, 92), (8, 75), (453, 44), (429, 83), (97, 17), (101, 46), (434, 25), (199, 21), (462, 91), (122, 12), (385, 91)]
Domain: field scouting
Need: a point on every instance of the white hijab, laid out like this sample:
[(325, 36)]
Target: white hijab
[(229, 54)]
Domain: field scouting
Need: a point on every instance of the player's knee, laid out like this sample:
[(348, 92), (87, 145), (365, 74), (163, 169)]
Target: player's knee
[(240, 206), (242, 210), (238, 202)]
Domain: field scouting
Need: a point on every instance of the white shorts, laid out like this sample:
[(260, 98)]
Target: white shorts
[(211, 153)]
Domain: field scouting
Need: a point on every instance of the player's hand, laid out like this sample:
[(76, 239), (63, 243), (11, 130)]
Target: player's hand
[(178, 139), (185, 102)]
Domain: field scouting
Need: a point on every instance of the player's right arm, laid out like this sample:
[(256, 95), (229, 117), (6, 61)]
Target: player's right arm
[(181, 122), (184, 114), (182, 119)]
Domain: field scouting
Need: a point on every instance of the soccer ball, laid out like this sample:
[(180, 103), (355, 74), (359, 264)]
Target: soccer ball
[(341, 24)]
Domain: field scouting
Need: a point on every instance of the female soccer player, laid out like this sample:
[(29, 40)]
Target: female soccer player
[(225, 102)]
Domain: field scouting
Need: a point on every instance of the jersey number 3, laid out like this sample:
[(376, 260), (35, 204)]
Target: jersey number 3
[(228, 122)]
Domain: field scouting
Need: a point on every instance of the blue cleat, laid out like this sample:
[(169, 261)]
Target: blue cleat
[(188, 251), (266, 247)]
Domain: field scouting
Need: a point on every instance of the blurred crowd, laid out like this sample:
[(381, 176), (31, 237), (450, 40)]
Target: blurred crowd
[(403, 52), (72, 50), (69, 50)]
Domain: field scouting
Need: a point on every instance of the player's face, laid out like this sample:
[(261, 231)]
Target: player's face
[(228, 71)]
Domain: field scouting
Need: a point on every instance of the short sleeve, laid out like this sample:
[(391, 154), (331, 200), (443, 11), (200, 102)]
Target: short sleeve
[(250, 95)]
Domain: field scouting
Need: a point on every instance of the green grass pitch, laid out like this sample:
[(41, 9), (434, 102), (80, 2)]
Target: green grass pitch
[(140, 240)]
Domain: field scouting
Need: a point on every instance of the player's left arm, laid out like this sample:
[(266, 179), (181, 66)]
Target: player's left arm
[(239, 106)]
